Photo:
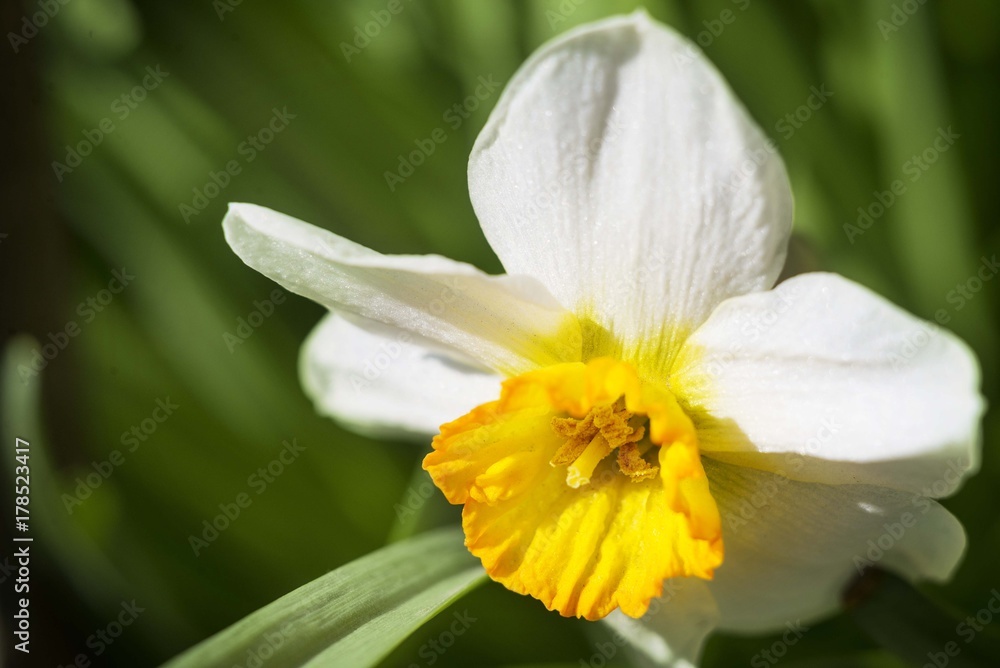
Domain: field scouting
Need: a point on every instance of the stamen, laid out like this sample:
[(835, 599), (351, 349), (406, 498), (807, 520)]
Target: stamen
[(578, 433), (591, 439), (580, 471), (612, 420), (632, 464), (570, 427)]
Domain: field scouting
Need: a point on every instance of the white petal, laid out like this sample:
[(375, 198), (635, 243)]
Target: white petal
[(611, 171), (672, 633), (820, 379), (508, 323), (792, 547), (384, 382)]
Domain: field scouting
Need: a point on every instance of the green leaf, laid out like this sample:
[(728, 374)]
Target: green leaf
[(353, 616)]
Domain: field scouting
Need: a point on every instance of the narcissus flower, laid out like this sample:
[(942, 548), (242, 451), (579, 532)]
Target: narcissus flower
[(633, 413)]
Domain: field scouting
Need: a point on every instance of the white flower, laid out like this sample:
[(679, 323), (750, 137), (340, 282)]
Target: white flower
[(643, 219)]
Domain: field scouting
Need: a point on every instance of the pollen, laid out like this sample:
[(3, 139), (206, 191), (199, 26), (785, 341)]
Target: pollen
[(583, 487), (589, 440)]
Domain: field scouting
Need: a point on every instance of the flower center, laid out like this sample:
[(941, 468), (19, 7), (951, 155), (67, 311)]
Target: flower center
[(590, 440), (605, 532)]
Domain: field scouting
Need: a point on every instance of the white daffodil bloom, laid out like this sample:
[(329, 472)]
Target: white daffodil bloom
[(634, 418)]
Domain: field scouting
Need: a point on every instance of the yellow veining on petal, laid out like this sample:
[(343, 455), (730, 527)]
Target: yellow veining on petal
[(652, 354), (605, 532), (562, 344)]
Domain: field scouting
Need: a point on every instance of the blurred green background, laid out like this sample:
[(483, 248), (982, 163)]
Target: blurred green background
[(899, 73)]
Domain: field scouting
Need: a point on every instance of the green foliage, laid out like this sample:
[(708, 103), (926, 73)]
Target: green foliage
[(142, 199), (353, 616)]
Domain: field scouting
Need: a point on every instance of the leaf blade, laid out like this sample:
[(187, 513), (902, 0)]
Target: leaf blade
[(354, 615)]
